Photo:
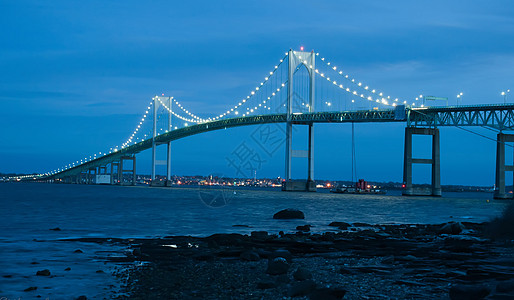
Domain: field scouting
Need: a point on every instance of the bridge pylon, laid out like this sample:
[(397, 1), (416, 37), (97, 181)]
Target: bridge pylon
[(295, 59), (409, 190), (500, 190), (156, 103)]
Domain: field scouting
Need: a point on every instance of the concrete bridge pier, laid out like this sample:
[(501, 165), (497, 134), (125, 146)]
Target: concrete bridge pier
[(91, 174), (122, 170), (102, 170), (500, 191), (115, 166), (409, 190)]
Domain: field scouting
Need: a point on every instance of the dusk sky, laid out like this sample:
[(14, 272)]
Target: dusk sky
[(76, 77)]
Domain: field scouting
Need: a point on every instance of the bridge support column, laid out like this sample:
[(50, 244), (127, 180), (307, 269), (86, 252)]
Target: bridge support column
[(500, 190), (289, 150), (157, 102), (154, 145), (115, 174), (408, 161), (168, 166), (295, 59), (311, 153), (102, 170), (91, 176), (168, 157), (122, 170)]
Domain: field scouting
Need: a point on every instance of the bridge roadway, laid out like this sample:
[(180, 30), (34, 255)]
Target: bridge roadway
[(500, 117)]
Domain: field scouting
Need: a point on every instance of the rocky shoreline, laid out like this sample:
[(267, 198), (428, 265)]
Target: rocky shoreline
[(355, 261)]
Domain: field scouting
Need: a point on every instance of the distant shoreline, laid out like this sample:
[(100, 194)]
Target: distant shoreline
[(388, 186)]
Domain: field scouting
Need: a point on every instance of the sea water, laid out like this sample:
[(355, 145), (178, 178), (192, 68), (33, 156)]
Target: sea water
[(28, 212)]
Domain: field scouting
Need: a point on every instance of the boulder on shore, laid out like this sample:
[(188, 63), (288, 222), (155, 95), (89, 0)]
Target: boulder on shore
[(277, 266), (465, 292), (289, 213), (304, 228), (334, 293), (302, 274), (341, 225), (250, 255), (302, 288), (451, 228)]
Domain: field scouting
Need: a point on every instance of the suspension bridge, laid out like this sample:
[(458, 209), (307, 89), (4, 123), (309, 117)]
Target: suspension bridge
[(302, 89)]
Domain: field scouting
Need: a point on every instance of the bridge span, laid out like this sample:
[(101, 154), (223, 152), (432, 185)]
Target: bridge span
[(304, 88), (420, 121)]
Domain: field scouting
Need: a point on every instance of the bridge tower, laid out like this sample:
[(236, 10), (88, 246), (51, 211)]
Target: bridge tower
[(500, 191), (156, 103), (295, 59)]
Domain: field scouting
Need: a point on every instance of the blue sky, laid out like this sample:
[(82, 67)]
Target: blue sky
[(76, 76)]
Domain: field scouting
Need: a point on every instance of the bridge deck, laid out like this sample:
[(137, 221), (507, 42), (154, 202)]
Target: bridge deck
[(500, 117)]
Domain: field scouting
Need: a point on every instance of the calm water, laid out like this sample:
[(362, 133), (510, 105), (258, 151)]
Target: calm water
[(28, 212)]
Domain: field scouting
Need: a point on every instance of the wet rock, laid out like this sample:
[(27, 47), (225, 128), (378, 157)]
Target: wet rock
[(266, 284), (406, 258), (281, 253), (250, 255), (334, 293), (409, 282), (78, 251), (223, 239), (29, 289), (468, 292), (67, 269), (304, 228), (136, 252), (99, 271), (359, 224), (44, 272), (7, 276), (302, 288), (261, 235), (283, 279), (81, 298), (34, 263), (56, 229), (341, 225), (388, 260), (503, 226), (210, 256), (505, 287), (277, 266), (345, 270), (213, 244), (241, 225), (302, 274), (289, 213), (328, 236), (451, 228)]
